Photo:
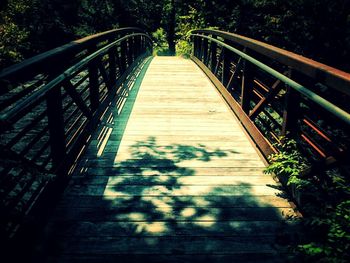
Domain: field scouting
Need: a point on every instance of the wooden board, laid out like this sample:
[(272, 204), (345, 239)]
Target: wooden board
[(170, 174)]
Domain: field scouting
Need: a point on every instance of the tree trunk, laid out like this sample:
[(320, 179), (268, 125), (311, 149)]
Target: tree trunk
[(171, 31)]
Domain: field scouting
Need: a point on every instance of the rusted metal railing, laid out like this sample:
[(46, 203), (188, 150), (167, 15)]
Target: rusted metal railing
[(276, 93)]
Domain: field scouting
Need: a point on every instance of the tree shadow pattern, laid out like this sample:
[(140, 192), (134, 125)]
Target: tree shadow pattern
[(150, 208), (162, 202)]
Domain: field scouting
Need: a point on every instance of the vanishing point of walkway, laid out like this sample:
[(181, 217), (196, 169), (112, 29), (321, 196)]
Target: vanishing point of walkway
[(170, 176)]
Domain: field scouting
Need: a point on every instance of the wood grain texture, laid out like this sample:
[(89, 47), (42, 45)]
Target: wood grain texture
[(170, 177)]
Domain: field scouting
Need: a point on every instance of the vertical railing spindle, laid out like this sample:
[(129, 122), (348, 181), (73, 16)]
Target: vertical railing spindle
[(291, 113), (112, 66), (194, 53), (56, 126), (247, 86), (205, 50), (94, 85), (129, 51), (213, 55), (132, 47), (123, 57), (198, 49), (226, 67)]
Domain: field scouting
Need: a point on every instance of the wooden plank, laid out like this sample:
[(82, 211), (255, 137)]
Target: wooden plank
[(89, 201), (161, 228), (168, 245), (164, 179), (170, 165), (173, 138), (177, 133), (225, 171), (174, 190), (130, 156), (261, 257), (167, 214), (169, 173), (111, 148)]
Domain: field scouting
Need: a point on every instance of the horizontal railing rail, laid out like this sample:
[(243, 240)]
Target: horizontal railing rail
[(330, 76), (63, 54), (7, 115), (49, 110), (276, 93)]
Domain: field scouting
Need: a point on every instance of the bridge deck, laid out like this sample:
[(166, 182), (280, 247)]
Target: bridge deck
[(170, 178)]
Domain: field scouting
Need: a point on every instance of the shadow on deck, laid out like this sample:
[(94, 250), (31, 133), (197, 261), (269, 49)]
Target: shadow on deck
[(165, 202)]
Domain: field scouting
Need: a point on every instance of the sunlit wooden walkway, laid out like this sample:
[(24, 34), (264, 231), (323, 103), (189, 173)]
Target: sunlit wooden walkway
[(171, 177)]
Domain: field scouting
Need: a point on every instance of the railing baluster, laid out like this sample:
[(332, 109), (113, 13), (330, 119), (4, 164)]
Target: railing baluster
[(196, 47), (112, 66), (213, 55), (247, 86), (94, 85), (204, 50), (104, 75), (137, 47), (129, 51), (132, 47), (123, 56), (226, 67), (291, 113), (56, 126), (120, 59), (142, 44), (200, 48)]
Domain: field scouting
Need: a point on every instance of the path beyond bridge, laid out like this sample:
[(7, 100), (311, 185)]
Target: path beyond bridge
[(170, 176)]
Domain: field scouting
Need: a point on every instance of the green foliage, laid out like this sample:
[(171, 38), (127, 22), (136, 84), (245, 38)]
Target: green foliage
[(13, 35), (12, 41), (334, 244), (327, 209), (192, 20), (94, 16), (289, 163), (183, 48), (161, 44), (316, 29), (303, 26)]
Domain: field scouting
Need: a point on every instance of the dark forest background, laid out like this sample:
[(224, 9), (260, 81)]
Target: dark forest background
[(316, 29)]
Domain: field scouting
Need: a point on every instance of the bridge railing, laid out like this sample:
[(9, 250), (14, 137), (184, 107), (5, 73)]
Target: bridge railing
[(50, 104), (276, 93)]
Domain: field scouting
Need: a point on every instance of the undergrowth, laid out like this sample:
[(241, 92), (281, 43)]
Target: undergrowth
[(324, 201)]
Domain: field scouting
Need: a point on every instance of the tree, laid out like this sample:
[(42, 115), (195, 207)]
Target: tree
[(169, 22), (316, 29), (13, 32)]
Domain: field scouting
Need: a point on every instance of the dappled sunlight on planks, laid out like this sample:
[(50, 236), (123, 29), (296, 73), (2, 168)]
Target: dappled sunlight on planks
[(177, 177)]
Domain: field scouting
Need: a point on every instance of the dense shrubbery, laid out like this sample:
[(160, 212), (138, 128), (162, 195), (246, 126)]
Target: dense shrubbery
[(324, 198)]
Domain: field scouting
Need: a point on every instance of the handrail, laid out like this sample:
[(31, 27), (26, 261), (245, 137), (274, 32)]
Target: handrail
[(101, 61), (332, 108), (32, 64), (332, 77), (54, 102), (22, 106), (307, 102)]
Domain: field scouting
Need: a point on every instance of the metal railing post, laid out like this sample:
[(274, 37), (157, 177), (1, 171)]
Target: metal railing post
[(56, 126)]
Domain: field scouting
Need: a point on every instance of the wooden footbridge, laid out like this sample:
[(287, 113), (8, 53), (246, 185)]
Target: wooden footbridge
[(111, 155)]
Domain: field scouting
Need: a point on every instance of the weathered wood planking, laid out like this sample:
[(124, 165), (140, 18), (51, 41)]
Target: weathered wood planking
[(171, 177)]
